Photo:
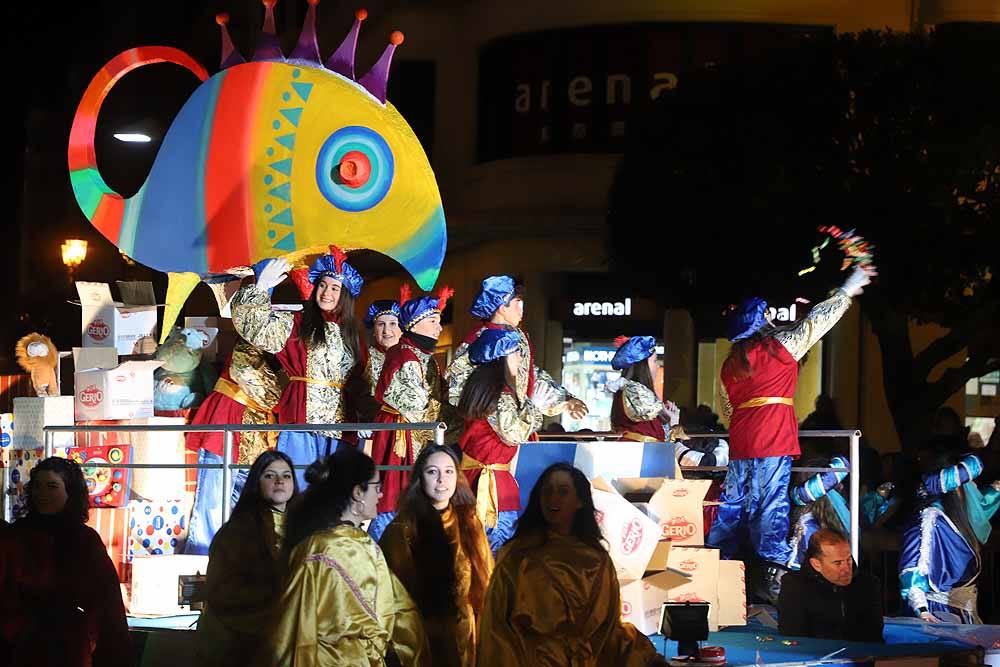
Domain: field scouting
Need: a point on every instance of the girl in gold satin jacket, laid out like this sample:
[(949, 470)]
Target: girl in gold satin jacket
[(246, 567), (437, 548), (554, 598), (342, 605)]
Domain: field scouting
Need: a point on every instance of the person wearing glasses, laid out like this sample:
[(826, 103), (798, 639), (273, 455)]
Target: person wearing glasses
[(437, 548), (342, 604)]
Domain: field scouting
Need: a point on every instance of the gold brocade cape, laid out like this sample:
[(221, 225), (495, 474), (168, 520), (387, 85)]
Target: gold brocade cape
[(342, 606), (243, 580), (452, 639), (554, 602)]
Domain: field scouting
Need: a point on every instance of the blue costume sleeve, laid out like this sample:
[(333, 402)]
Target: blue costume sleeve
[(913, 584), (873, 505)]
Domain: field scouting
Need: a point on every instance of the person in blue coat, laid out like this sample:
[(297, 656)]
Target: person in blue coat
[(940, 560)]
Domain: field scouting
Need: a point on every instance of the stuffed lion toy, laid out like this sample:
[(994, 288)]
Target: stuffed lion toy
[(37, 355)]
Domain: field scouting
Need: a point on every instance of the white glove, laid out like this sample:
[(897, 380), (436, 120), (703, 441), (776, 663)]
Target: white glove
[(672, 412), (364, 435), (542, 396), (855, 283), (272, 274)]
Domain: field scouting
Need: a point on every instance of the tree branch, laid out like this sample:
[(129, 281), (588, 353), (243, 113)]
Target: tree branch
[(952, 342), (954, 379)]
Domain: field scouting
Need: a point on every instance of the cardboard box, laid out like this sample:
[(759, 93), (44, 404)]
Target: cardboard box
[(732, 593), (643, 598), (631, 535), (155, 583), (6, 436), (677, 508), (123, 392), (158, 528), (32, 414), (124, 325), (702, 565)]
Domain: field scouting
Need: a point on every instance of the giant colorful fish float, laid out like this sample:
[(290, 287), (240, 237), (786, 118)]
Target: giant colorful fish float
[(279, 156)]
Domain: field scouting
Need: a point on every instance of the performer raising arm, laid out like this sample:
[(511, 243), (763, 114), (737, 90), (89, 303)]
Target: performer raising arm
[(637, 411), (759, 379)]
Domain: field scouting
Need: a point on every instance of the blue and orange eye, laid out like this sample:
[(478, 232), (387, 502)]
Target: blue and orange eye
[(355, 168)]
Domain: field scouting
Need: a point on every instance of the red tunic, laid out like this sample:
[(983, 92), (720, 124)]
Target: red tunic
[(768, 430), (216, 409), (482, 443), (621, 423), (383, 451)]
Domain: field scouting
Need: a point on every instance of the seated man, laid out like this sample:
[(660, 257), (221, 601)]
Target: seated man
[(827, 599)]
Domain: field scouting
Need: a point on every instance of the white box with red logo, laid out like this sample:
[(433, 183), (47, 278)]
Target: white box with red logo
[(129, 327), (643, 598), (677, 508), (121, 392), (702, 565), (631, 535), (732, 593)]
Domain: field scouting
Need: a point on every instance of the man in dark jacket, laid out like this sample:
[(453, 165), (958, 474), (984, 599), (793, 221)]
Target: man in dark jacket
[(827, 599)]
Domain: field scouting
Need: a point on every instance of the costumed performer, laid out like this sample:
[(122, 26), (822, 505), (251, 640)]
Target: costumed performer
[(318, 347), (636, 411), (757, 389), (817, 504), (62, 604), (500, 305), (410, 390), (246, 392), (554, 598), (382, 321), (342, 604), (498, 418), (245, 569), (437, 548), (940, 561)]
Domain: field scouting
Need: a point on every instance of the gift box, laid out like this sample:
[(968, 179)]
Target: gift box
[(677, 508), (702, 566), (32, 414), (146, 448), (107, 487), (632, 536), (123, 326), (157, 528), (6, 438), (155, 581), (111, 523), (122, 392)]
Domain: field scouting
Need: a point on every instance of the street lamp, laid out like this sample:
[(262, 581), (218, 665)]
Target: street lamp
[(74, 251)]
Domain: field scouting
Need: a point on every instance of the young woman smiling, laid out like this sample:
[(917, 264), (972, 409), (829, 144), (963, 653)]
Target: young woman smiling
[(437, 548)]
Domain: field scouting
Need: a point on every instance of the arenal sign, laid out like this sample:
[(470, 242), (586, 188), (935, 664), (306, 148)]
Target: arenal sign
[(576, 90)]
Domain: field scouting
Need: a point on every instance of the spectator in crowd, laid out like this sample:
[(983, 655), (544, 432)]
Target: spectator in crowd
[(437, 547), (245, 568), (828, 598), (62, 603), (342, 605), (823, 417), (555, 592)]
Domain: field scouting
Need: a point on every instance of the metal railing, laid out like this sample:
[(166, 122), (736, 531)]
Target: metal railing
[(227, 431), (439, 428), (854, 436)]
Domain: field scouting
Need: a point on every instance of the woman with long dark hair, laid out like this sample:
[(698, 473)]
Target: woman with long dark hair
[(342, 605), (757, 387), (498, 418), (245, 568), (62, 601), (320, 347), (554, 597), (817, 503), (940, 560), (636, 411), (437, 548)]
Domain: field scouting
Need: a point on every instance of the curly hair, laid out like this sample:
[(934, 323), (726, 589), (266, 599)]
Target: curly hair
[(77, 499), (331, 487), (532, 523), (433, 554)]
